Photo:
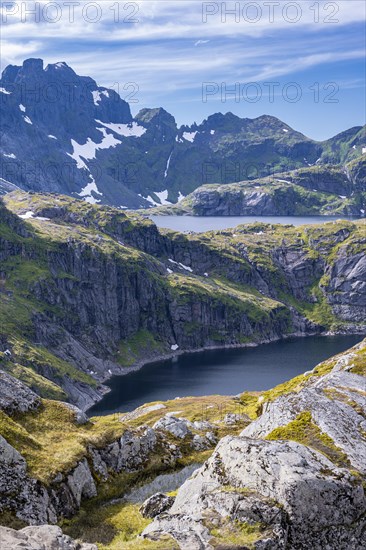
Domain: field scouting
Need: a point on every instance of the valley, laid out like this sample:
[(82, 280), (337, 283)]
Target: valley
[(74, 273), (182, 276)]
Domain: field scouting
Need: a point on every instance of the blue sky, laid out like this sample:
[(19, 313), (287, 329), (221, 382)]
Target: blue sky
[(315, 50)]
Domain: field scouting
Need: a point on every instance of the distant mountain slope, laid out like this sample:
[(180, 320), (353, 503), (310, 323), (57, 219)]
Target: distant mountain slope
[(7, 187), (62, 133), (316, 190)]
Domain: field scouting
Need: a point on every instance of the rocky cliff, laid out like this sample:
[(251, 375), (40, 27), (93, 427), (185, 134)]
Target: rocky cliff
[(63, 133), (88, 291), (287, 471), (321, 190), (292, 479)]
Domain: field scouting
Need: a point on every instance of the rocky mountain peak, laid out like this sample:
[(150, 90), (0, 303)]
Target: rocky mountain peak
[(157, 115), (32, 66), (63, 133), (15, 73)]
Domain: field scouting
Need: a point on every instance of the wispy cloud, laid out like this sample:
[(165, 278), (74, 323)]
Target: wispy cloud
[(170, 47), (199, 42)]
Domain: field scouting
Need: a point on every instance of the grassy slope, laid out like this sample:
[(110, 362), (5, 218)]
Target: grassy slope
[(52, 431), (91, 227)]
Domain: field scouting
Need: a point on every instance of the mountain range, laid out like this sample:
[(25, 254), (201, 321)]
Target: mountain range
[(62, 133)]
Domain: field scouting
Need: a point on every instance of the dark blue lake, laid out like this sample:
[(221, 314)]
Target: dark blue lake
[(224, 371)]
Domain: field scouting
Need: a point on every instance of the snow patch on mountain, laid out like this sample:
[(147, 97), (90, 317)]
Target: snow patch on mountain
[(185, 267), (151, 200), (86, 192), (97, 96), (163, 195), (51, 136), (28, 215), (189, 136), (22, 108), (27, 120), (4, 91), (89, 149), (167, 165), (9, 155), (181, 197), (126, 130)]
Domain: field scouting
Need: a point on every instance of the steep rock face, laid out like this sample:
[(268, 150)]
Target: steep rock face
[(61, 132), (287, 491), (21, 493), (319, 190), (16, 396), (89, 269), (348, 276)]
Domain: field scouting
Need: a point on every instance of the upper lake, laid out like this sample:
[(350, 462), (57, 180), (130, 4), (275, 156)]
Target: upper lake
[(222, 371), (200, 224)]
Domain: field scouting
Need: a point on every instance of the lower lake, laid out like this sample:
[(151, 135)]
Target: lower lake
[(223, 371)]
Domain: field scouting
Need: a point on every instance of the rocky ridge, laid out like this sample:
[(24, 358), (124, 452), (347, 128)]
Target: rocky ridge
[(292, 478), (63, 133), (320, 190), (59, 494), (281, 479), (179, 292)]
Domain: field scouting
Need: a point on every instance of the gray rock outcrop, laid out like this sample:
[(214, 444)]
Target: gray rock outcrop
[(36, 504), (320, 503), (337, 405), (155, 505), (16, 396), (280, 493), (179, 427), (42, 537)]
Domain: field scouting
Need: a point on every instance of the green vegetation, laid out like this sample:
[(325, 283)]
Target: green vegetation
[(304, 431), (41, 385), (359, 362), (42, 360), (44, 433), (114, 527), (234, 534), (139, 346)]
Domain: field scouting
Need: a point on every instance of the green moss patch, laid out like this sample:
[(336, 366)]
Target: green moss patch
[(304, 431), (141, 345)]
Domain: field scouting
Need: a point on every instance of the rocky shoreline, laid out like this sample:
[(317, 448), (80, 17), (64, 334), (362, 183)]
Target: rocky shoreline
[(300, 464), (350, 331), (180, 293)]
